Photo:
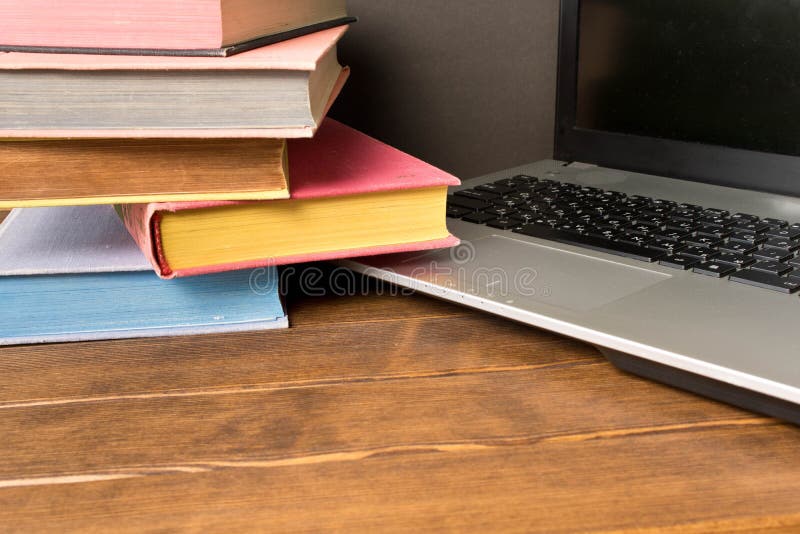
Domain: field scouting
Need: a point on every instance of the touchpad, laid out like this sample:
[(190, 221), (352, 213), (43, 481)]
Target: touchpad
[(511, 271)]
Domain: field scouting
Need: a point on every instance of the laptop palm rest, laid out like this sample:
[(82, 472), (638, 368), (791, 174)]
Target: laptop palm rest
[(514, 272)]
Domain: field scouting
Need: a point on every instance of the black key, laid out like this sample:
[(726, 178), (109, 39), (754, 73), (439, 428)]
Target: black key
[(701, 253), (650, 222), (507, 202), (539, 206), (684, 215), (683, 226), (754, 227), (467, 203), (794, 262), (656, 211), (775, 223), (740, 260), (745, 217), (539, 220), (634, 240), (479, 217), (773, 267), (691, 207), (523, 215), (679, 262), (541, 186), (497, 189), (510, 182), (456, 213), (784, 233), (603, 233), (503, 224), (478, 195), (639, 228), (737, 248), (665, 245), (713, 268), (616, 220), (720, 221), (666, 203), (747, 237), (782, 243), (766, 281), (713, 231), (501, 212), (703, 241), (672, 235), (624, 213), (712, 212), (772, 254), (525, 178), (603, 245), (614, 194)]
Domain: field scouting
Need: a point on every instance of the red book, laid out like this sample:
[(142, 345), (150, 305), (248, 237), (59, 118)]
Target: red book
[(160, 27), (351, 195)]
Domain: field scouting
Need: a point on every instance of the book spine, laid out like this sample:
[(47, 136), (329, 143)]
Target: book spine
[(142, 220)]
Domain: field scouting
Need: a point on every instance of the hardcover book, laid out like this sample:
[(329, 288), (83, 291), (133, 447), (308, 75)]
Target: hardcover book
[(74, 274), (161, 27), (351, 196), (278, 91), (51, 172)]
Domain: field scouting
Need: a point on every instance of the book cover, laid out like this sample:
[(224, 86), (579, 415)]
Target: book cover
[(57, 172), (161, 27), (339, 162), (74, 274)]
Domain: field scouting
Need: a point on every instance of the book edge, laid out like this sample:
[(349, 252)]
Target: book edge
[(281, 322), (446, 242), (225, 51)]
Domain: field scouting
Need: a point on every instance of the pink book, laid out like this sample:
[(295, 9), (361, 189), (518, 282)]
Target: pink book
[(346, 187), (161, 27), (277, 91)]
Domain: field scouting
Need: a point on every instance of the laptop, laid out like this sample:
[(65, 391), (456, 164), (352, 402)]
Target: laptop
[(666, 229)]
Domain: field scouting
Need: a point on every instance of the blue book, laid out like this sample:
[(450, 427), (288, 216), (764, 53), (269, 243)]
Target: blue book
[(74, 274)]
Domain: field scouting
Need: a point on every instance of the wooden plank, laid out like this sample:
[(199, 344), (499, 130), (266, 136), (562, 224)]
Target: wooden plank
[(375, 413), (713, 478), (299, 356), (163, 433)]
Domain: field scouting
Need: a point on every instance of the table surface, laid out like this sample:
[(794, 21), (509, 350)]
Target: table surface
[(375, 411)]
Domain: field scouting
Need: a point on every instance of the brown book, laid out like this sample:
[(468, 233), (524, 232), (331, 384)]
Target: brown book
[(50, 172)]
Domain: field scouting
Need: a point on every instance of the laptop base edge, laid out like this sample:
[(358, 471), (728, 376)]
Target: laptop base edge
[(703, 386)]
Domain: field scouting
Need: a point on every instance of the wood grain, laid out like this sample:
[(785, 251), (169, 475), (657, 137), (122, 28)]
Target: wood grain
[(93, 168), (376, 412)]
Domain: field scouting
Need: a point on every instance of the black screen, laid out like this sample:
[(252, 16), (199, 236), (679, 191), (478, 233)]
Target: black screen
[(718, 72)]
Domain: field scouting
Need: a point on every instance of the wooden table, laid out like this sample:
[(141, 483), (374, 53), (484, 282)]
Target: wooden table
[(375, 412)]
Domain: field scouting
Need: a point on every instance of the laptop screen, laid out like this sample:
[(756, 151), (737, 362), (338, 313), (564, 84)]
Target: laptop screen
[(722, 72), (707, 90)]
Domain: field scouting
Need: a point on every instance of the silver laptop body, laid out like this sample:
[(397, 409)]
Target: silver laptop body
[(728, 340)]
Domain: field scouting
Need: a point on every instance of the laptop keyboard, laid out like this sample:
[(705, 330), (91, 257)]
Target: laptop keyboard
[(760, 252)]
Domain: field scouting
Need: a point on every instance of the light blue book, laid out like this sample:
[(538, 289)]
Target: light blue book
[(74, 274)]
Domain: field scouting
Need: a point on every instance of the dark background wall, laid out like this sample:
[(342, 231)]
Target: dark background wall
[(467, 85)]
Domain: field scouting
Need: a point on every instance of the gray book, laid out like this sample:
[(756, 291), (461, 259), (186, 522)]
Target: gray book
[(67, 240), (280, 91)]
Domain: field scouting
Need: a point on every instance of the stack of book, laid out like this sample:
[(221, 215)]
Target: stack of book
[(184, 139)]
